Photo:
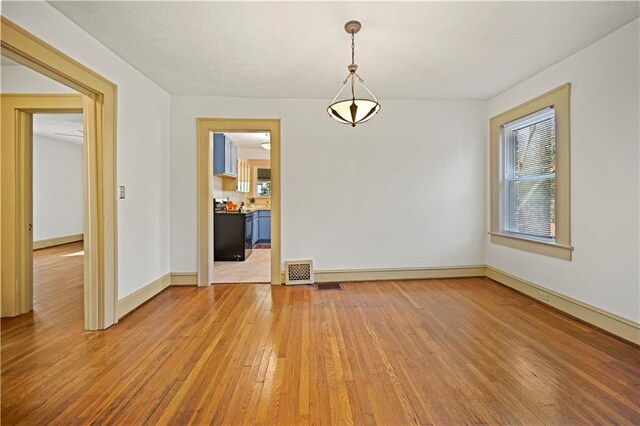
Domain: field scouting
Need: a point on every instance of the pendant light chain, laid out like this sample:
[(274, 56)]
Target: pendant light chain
[(353, 48), (353, 62)]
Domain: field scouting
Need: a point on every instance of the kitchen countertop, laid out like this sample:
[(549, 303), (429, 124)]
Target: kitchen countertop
[(246, 211)]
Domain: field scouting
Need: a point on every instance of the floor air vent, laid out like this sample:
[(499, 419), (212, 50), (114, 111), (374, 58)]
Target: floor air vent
[(328, 286), (298, 272)]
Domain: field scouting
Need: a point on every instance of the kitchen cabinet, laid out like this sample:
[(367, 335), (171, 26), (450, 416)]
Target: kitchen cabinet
[(241, 182), (225, 156), (264, 225), (256, 227), (233, 158)]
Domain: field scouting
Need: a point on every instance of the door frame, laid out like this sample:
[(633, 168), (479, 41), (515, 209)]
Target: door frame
[(99, 103), (17, 125), (205, 127)]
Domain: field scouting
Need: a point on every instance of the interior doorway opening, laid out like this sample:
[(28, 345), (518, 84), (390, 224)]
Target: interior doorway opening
[(241, 186), (206, 158), (58, 216), (48, 145)]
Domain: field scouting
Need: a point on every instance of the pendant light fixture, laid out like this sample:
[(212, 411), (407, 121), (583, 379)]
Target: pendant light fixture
[(355, 109)]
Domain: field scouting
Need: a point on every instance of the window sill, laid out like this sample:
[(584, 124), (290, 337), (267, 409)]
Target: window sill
[(540, 247)]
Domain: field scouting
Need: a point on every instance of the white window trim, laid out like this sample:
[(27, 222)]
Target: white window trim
[(559, 99)]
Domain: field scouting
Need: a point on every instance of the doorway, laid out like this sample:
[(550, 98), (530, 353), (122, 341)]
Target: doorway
[(58, 216), (206, 158), (242, 213), (97, 102), (21, 110)]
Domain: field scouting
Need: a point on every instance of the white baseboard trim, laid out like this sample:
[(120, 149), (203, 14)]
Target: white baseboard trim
[(614, 324), (382, 274), (184, 278), (58, 241), (142, 295)]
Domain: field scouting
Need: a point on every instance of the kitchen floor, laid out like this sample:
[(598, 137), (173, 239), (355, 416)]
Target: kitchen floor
[(256, 269)]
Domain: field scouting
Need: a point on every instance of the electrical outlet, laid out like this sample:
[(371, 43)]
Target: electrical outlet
[(543, 295), (122, 192)]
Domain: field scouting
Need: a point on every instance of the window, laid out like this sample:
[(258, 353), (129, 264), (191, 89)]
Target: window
[(263, 186), (530, 176)]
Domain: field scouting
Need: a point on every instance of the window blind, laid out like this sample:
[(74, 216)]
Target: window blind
[(529, 175), (264, 174)]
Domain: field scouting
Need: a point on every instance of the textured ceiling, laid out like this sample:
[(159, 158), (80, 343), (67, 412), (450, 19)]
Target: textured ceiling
[(249, 139), (409, 50)]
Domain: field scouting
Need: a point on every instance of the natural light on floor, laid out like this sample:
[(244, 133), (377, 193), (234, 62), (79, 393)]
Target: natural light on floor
[(78, 253)]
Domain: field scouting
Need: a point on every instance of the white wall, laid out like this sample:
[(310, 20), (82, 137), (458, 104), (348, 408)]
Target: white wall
[(20, 79), (405, 190), (57, 188), (604, 176), (219, 192), (143, 143)]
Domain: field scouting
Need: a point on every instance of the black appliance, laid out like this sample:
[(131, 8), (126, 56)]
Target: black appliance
[(232, 236), (220, 204)]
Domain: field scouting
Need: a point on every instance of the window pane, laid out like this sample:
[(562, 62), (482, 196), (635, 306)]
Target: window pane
[(530, 207), (535, 149), (263, 189)]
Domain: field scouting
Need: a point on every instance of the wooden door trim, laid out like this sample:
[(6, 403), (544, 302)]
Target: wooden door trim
[(99, 102), (205, 127)]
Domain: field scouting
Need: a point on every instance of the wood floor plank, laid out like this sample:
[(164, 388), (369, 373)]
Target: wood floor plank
[(395, 352)]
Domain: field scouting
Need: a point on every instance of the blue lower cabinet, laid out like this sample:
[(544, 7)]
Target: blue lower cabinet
[(256, 228), (264, 227)]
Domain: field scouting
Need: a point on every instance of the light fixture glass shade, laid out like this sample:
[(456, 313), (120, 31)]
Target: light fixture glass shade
[(353, 111)]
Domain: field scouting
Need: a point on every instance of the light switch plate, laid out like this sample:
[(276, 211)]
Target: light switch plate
[(122, 192)]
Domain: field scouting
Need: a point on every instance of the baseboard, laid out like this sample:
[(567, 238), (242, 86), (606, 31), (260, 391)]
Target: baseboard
[(610, 322), (52, 242), (142, 295), (382, 274), (622, 327), (614, 324), (184, 278)]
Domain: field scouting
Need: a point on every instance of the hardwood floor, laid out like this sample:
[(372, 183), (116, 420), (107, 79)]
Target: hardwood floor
[(396, 352)]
